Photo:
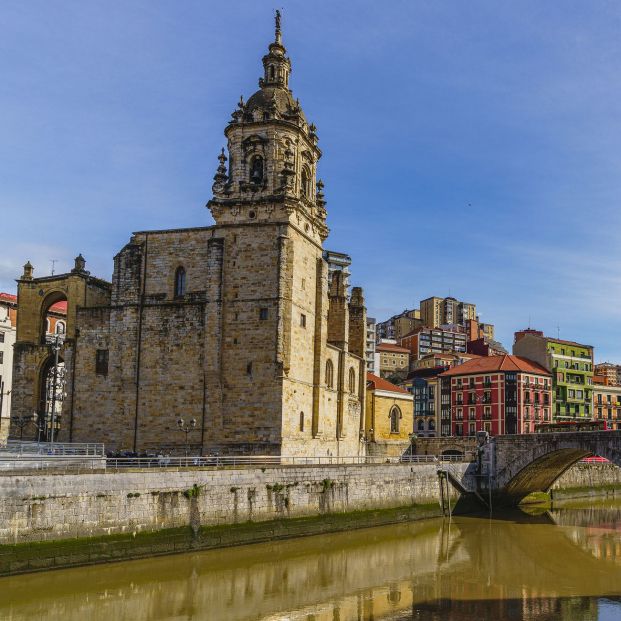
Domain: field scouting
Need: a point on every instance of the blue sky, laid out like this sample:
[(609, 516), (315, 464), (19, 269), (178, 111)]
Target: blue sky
[(470, 148)]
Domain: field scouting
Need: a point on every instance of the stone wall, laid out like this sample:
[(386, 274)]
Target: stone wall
[(588, 480), (51, 507)]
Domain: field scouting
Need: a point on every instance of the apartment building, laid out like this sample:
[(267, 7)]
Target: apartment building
[(571, 365), (498, 394)]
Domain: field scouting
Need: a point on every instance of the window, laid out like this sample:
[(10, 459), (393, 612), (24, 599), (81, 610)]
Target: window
[(303, 320), (256, 169), (1, 357), (1, 337), (249, 368), (180, 282), (301, 421), (420, 425), (329, 374), (395, 416), (263, 314), (352, 380), (60, 327), (101, 362)]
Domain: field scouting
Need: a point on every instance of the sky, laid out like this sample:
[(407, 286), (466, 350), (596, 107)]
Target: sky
[(469, 148)]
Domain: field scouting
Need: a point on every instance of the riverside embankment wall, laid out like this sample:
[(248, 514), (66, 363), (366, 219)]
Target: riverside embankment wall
[(68, 519), (594, 479)]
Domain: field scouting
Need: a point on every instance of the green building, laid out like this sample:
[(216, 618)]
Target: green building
[(571, 365)]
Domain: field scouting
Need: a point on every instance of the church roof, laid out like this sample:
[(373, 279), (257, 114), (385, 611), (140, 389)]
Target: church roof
[(277, 96), (379, 383)]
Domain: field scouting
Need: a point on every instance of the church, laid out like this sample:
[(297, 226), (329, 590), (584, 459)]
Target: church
[(236, 326)]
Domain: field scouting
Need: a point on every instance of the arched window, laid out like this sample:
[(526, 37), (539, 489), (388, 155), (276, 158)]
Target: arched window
[(60, 327), (329, 374), (301, 421), (256, 169), (271, 72), (305, 183), (432, 425), (420, 425), (395, 416), (180, 282), (352, 380)]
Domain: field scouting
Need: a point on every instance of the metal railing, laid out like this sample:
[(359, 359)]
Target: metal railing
[(84, 463), (70, 449), (275, 460), (11, 464)]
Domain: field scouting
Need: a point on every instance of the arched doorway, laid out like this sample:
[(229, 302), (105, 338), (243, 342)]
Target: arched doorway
[(52, 391), (52, 382)]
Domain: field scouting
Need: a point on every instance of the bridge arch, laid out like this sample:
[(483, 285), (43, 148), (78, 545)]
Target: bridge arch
[(534, 462)]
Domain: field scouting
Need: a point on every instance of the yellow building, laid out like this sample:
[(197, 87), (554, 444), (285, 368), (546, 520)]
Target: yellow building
[(389, 416), (606, 402), (392, 359)]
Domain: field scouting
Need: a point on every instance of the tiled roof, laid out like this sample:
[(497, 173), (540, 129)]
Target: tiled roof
[(379, 383), (488, 364), (389, 347), (59, 307), (8, 297)]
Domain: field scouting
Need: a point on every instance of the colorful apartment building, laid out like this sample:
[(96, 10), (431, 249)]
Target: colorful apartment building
[(424, 341), (606, 402), (498, 394), (609, 370), (424, 385), (571, 365)]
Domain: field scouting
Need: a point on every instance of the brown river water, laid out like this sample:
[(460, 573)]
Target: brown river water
[(555, 565)]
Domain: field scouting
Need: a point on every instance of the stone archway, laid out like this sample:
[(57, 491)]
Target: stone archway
[(532, 463), (52, 392), (38, 321)]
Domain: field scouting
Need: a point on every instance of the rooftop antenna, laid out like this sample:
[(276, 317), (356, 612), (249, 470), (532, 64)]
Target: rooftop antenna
[(53, 262), (529, 322), (558, 332)]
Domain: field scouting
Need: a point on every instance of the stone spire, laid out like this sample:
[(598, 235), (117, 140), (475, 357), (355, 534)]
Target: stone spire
[(272, 154), (276, 65)]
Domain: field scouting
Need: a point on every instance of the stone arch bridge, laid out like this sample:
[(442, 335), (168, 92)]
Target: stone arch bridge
[(514, 466)]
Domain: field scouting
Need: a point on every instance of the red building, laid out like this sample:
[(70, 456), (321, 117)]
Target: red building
[(498, 394)]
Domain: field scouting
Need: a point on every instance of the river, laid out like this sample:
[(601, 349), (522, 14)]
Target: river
[(557, 565)]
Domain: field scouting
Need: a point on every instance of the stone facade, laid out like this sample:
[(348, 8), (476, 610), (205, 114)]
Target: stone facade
[(233, 325)]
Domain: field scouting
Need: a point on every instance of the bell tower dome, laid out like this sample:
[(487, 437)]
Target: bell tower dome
[(272, 156)]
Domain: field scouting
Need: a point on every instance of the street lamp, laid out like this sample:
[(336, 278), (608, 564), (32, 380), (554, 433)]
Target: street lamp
[(21, 422), (186, 429)]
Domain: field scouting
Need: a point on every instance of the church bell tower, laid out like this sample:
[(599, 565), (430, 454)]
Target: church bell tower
[(272, 156)]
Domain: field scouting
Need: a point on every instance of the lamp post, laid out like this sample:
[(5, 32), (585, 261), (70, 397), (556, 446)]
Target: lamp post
[(186, 429), (21, 422)]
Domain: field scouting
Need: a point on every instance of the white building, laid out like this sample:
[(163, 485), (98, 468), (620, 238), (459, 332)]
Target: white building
[(8, 330), (370, 349)]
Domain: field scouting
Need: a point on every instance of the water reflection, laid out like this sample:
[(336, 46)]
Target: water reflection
[(556, 565)]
